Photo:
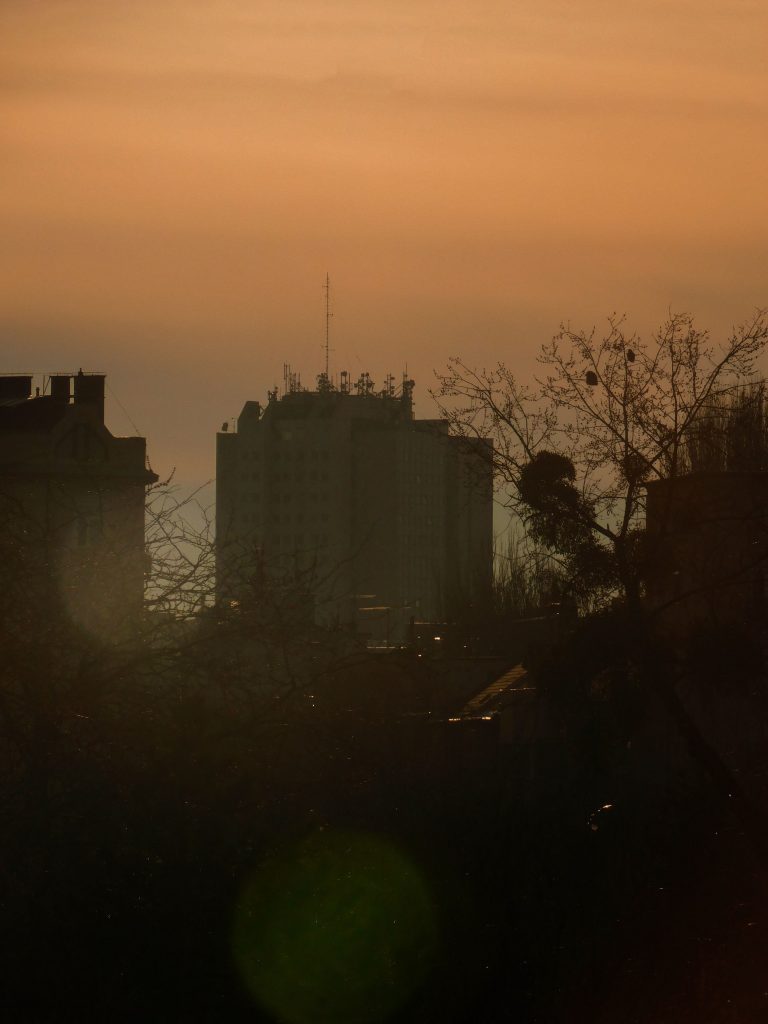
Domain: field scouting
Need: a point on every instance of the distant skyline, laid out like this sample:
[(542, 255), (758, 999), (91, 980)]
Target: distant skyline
[(177, 177)]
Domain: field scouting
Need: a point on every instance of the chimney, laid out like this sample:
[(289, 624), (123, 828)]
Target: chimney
[(15, 388), (89, 390), (60, 386)]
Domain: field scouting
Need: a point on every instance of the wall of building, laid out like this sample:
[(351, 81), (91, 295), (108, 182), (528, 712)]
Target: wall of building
[(707, 537), (387, 511), (72, 505)]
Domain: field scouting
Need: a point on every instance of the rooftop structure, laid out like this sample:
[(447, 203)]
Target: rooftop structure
[(390, 515)]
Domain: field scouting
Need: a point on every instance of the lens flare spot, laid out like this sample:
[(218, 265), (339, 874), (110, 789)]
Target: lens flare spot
[(336, 930)]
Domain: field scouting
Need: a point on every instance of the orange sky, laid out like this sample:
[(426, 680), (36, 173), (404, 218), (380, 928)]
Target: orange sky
[(176, 176)]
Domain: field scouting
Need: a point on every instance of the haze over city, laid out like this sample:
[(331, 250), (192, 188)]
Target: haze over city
[(383, 539), (178, 177)]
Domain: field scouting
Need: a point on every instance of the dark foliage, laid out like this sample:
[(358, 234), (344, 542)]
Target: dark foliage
[(558, 517), (580, 873), (596, 889)]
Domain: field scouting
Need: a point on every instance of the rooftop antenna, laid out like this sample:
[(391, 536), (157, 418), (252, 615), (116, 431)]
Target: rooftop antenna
[(328, 315)]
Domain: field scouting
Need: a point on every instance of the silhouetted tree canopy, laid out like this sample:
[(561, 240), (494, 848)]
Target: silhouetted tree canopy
[(575, 447)]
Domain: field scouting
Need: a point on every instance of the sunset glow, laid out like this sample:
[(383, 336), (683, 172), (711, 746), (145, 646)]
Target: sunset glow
[(178, 177)]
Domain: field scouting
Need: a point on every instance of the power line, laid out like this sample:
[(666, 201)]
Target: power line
[(125, 411)]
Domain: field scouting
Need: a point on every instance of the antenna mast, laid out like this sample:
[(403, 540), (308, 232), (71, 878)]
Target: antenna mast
[(328, 315)]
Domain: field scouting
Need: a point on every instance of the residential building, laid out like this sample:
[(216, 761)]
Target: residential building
[(391, 516), (707, 538), (72, 501)]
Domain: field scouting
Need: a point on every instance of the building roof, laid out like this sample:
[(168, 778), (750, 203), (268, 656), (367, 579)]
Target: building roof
[(62, 434), (514, 683)]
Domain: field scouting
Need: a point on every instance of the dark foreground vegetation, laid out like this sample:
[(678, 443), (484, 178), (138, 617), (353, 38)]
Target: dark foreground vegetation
[(180, 843), (237, 816)]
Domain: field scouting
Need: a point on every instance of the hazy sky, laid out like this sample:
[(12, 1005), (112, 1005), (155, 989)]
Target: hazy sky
[(177, 176)]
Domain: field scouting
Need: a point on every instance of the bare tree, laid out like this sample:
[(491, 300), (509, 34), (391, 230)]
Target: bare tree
[(526, 577), (575, 453), (731, 433), (607, 413), (180, 551)]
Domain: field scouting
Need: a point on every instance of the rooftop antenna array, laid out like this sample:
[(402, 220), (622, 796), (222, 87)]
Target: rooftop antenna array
[(291, 380)]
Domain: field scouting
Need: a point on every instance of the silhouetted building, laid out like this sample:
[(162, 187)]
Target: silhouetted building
[(71, 500), (707, 539), (390, 515)]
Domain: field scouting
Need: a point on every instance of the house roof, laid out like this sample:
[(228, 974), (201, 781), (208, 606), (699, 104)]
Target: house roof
[(511, 686)]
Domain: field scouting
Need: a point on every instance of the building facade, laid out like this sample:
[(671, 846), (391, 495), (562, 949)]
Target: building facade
[(707, 541), (72, 500), (390, 516)]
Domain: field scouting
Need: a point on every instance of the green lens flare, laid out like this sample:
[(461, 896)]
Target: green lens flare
[(339, 930)]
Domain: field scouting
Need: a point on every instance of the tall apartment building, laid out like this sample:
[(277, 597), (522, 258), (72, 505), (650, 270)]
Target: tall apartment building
[(392, 515), (72, 501)]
